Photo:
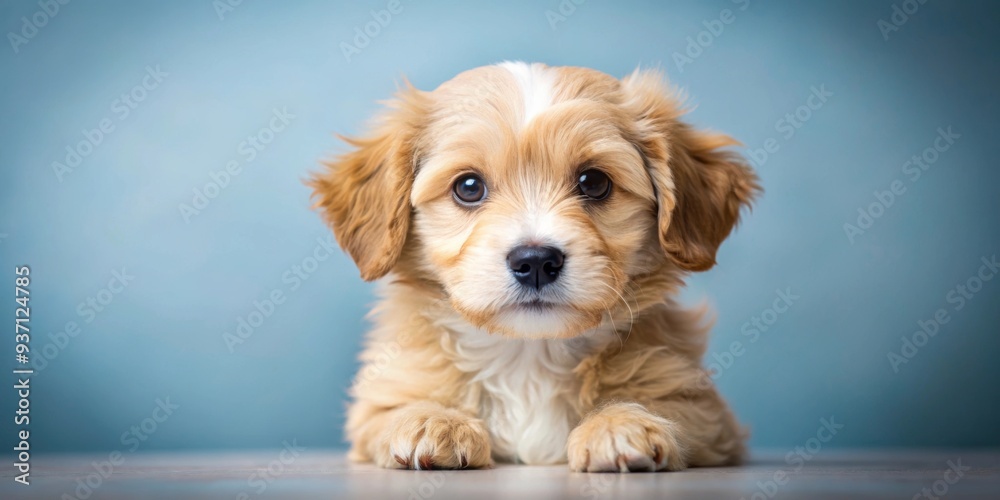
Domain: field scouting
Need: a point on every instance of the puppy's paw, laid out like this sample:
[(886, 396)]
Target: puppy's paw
[(430, 436), (624, 437)]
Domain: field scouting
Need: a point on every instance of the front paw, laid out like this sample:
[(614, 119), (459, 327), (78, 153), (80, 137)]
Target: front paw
[(624, 437), (430, 436)]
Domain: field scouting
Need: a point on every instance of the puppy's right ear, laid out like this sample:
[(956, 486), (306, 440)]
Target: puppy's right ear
[(364, 194)]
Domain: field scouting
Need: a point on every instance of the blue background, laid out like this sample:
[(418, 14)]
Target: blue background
[(162, 336)]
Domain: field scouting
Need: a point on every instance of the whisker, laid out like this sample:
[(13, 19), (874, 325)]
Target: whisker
[(632, 316), (630, 313), (621, 343)]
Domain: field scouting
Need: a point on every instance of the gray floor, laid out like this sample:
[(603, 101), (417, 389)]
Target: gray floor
[(315, 474)]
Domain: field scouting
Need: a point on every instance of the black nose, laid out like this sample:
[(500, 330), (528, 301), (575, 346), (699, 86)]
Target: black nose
[(535, 266)]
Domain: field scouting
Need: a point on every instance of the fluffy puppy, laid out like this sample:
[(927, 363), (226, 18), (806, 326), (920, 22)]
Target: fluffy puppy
[(535, 224)]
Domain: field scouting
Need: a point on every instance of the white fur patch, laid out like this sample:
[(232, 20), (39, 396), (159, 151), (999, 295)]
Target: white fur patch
[(536, 83), (528, 388)]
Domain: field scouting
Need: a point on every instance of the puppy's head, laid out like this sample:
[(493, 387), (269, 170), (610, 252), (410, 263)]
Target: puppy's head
[(538, 200)]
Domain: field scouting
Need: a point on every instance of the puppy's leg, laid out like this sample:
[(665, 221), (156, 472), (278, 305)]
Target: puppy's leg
[(423, 435), (664, 435), (624, 437)]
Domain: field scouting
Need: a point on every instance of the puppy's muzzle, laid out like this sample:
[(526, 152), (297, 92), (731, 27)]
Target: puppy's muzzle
[(535, 266)]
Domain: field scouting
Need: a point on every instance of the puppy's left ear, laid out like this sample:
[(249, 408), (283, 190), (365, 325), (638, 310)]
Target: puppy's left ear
[(364, 194), (701, 186)]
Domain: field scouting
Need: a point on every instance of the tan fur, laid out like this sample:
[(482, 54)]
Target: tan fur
[(364, 195), (638, 400)]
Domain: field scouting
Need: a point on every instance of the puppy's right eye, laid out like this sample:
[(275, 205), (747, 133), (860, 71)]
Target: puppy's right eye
[(469, 189)]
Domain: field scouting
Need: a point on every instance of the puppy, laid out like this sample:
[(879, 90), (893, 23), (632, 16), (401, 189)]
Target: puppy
[(536, 224)]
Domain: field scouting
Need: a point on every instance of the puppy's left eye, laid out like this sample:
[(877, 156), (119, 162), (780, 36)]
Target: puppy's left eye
[(594, 184), (469, 189)]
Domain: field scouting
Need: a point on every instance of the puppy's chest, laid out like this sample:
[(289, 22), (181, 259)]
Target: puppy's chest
[(528, 392)]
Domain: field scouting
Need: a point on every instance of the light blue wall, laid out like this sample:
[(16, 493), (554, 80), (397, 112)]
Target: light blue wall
[(162, 336)]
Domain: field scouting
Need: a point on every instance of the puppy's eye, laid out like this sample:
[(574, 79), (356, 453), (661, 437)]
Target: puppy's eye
[(469, 189), (594, 184)]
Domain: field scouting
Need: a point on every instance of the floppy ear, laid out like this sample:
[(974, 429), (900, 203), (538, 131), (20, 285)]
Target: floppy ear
[(364, 194), (701, 186)]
